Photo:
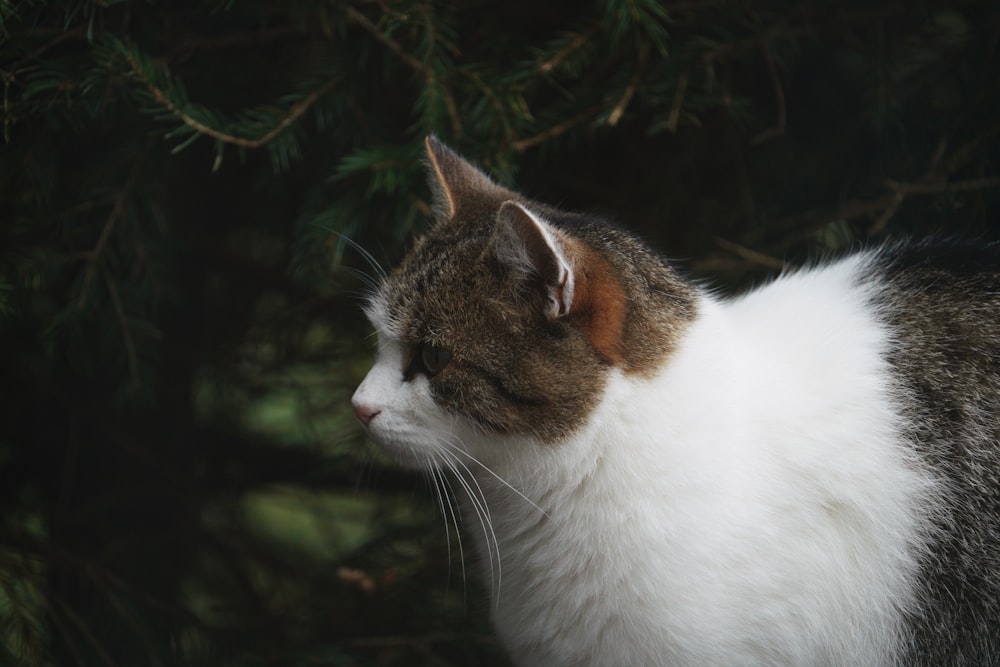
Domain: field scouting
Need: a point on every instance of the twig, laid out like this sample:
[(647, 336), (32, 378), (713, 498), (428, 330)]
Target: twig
[(239, 39), (751, 255), (37, 53), (887, 213), (117, 213), (937, 188), (294, 113), (779, 99), (494, 100), (965, 152), (675, 108), (80, 625), (410, 61), (555, 130), (903, 190), (633, 85), (576, 43), (130, 354), (357, 17)]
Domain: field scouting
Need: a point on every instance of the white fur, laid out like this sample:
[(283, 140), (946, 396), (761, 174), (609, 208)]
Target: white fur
[(751, 504)]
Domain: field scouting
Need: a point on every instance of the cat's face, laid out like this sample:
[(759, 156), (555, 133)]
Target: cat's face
[(478, 329)]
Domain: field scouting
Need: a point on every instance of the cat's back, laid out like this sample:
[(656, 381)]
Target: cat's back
[(874, 379), (941, 304)]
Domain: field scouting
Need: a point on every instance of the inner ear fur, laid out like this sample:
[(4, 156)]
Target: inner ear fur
[(575, 280), (537, 251)]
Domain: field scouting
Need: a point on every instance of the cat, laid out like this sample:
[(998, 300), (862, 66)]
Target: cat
[(807, 474)]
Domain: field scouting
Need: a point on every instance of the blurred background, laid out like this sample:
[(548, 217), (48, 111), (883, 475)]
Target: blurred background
[(184, 187)]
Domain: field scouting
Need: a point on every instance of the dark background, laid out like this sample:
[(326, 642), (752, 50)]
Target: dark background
[(181, 478)]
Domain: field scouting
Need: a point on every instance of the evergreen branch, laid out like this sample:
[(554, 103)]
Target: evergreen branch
[(130, 353), (360, 19), (750, 255), (675, 107), (94, 256), (576, 43), (81, 625), (884, 206), (903, 190), (494, 101), (128, 618), (779, 99), (967, 150), (294, 113), (418, 66), (692, 5), (921, 188), (239, 39), (558, 129), (37, 53), (449, 102), (633, 85)]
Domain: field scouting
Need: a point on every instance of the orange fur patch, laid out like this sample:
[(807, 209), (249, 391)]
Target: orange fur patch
[(599, 304)]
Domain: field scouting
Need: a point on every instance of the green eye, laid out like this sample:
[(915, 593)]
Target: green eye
[(434, 358)]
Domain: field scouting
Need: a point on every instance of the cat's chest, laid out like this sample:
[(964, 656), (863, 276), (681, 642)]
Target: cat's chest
[(685, 526), (556, 596)]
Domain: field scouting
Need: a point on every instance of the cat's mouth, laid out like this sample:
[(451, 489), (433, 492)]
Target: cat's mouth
[(406, 448)]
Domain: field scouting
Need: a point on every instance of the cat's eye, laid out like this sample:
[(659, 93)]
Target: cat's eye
[(434, 358)]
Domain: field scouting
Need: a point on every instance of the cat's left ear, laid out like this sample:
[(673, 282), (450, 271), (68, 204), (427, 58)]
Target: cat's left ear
[(456, 185), (538, 252)]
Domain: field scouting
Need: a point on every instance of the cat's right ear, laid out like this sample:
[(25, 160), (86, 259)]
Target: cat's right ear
[(455, 184), (537, 252)]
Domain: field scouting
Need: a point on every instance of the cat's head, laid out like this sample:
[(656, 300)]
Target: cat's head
[(505, 320)]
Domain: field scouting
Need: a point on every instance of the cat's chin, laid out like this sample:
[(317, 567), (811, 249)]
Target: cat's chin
[(415, 453)]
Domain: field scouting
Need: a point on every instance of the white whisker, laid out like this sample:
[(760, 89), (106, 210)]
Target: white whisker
[(482, 513), (367, 256), (498, 478), (446, 488), (444, 493)]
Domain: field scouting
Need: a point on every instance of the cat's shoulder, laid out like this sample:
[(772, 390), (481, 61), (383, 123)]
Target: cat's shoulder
[(898, 271), (932, 260)]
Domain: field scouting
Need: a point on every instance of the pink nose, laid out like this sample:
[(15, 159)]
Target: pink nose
[(365, 413)]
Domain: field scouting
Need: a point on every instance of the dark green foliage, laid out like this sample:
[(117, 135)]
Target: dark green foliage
[(184, 187)]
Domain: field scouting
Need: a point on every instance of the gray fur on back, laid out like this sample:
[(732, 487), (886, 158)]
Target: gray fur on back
[(943, 306)]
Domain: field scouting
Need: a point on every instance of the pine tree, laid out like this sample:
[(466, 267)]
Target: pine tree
[(192, 193)]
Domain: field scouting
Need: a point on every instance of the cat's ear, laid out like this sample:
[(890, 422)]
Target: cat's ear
[(538, 252), (456, 184)]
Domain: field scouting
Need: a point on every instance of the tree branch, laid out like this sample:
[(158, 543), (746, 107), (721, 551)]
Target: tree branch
[(779, 99), (903, 190), (360, 19), (633, 85), (294, 113), (117, 213), (129, 342), (576, 43), (752, 255), (556, 130)]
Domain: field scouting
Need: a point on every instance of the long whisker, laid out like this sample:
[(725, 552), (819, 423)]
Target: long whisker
[(452, 447), (445, 489), (371, 283), (482, 513), (498, 478), (367, 256), (434, 474)]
